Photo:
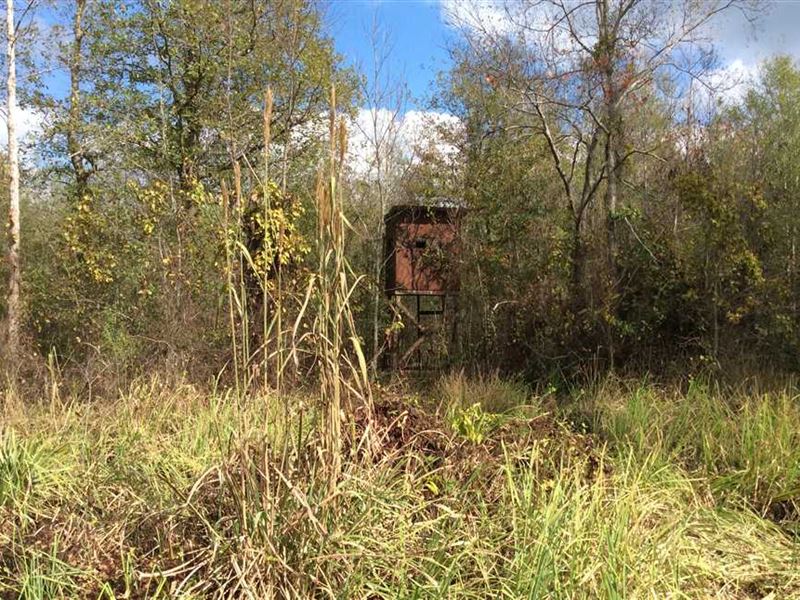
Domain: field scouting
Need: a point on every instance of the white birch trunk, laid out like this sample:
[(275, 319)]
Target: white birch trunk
[(13, 303)]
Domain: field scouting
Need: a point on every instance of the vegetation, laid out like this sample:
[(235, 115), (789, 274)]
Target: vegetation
[(690, 257), (690, 493), (193, 404)]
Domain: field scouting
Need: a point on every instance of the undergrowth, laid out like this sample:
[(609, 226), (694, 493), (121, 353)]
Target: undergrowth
[(167, 492)]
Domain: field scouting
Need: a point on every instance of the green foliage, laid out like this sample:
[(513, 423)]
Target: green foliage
[(125, 219), (473, 423), (518, 235), (43, 576), (724, 262), (166, 103), (279, 242), (18, 468), (704, 228), (29, 469)]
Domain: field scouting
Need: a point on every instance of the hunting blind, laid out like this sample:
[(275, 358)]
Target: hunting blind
[(422, 250)]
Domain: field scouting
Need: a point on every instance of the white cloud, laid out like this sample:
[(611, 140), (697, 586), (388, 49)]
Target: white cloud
[(554, 42), (477, 15), (425, 130), (370, 128), (731, 82), (404, 136), (774, 31), (29, 124), (726, 85)]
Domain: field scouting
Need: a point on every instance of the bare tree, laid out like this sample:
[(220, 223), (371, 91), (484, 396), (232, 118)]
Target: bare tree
[(571, 71), (79, 156), (386, 99), (576, 68), (13, 302)]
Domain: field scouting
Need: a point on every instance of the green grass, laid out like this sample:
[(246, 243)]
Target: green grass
[(170, 492), (745, 445)]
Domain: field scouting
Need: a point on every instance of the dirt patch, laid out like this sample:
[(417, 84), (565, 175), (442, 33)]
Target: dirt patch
[(404, 432), (398, 426)]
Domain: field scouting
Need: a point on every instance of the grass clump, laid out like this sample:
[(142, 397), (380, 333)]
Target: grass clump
[(476, 407), (19, 468), (176, 493), (746, 445), (29, 467), (491, 392)]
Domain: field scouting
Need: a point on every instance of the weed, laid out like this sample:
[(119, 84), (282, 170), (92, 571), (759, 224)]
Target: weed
[(171, 492)]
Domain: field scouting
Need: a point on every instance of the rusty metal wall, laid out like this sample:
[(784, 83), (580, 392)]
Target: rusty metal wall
[(422, 250)]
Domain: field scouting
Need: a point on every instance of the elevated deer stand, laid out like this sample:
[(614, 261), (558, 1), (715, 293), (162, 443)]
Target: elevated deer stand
[(422, 250)]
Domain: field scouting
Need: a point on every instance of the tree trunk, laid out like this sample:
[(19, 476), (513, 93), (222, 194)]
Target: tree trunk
[(577, 257), (608, 43), (607, 56), (611, 198), (612, 188), (76, 151), (13, 304)]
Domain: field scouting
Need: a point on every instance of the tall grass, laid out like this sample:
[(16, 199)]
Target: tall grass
[(746, 443), (344, 382), (493, 393), (265, 480), (173, 492), (266, 216)]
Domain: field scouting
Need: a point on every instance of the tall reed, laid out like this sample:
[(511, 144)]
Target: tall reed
[(334, 323), (266, 216)]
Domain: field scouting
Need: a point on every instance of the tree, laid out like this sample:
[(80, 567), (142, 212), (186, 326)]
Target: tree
[(515, 267), (575, 72), (164, 101), (13, 305), (382, 162), (79, 155), (755, 143)]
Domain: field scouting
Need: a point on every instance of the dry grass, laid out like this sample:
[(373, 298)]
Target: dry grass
[(167, 492)]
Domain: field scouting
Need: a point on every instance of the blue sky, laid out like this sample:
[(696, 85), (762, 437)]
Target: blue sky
[(420, 36), (417, 31), (415, 27)]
